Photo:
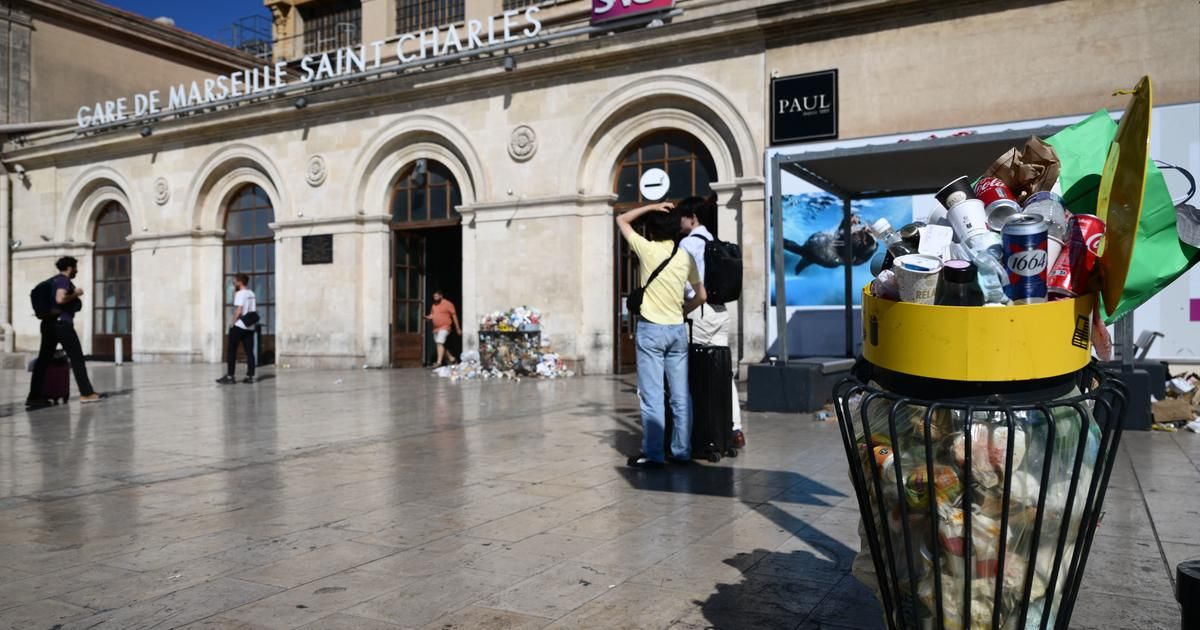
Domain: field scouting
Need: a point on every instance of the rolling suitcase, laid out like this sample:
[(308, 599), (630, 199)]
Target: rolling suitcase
[(710, 370), (56, 385)]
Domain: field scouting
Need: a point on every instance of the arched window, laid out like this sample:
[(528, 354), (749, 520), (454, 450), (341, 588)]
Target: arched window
[(691, 170), (113, 312), (425, 192), (681, 155), (250, 249)]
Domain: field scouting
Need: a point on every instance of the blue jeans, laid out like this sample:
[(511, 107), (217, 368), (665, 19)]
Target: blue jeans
[(663, 351)]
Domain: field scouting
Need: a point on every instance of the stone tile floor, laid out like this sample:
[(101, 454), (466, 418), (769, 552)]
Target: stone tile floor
[(391, 499)]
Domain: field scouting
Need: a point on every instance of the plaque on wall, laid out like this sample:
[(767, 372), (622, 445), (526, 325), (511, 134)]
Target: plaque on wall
[(804, 107), (316, 249)]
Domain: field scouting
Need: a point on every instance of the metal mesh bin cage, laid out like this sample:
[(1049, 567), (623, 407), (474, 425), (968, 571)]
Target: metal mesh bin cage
[(979, 512)]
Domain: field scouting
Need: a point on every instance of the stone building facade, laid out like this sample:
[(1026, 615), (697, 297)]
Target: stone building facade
[(495, 177)]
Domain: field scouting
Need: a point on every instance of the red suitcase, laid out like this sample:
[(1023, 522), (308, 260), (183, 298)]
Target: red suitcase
[(56, 383)]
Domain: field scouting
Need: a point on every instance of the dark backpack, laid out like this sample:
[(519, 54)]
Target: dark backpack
[(42, 298), (722, 270)]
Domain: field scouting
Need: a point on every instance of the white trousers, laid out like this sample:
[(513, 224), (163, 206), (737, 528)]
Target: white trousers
[(710, 326)]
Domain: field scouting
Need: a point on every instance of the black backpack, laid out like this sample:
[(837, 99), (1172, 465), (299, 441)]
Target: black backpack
[(722, 270), (42, 298)]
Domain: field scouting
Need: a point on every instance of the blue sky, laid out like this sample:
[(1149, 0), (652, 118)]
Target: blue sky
[(208, 17)]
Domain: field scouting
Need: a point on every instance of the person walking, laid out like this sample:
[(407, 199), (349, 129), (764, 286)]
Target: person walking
[(710, 323), (661, 336), (241, 332), (443, 315), (58, 327)]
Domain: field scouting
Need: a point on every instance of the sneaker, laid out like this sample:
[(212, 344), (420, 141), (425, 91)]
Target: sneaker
[(641, 461), (37, 403), (739, 439), (93, 397), (249, 380), (227, 380)]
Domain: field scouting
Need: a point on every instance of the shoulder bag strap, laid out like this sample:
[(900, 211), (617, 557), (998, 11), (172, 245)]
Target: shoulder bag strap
[(662, 266)]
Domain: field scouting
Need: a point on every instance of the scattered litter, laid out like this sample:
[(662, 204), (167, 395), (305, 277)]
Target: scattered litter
[(1180, 386), (612, 586), (822, 416), (1194, 425), (329, 589), (338, 382), (585, 583), (174, 577)]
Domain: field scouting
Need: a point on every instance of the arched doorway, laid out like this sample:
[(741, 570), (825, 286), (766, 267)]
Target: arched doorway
[(691, 170), (113, 311), (250, 249), (426, 256)]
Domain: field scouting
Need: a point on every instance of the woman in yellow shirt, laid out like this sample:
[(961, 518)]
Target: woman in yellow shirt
[(661, 338)]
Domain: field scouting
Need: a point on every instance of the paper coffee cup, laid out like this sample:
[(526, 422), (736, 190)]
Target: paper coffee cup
[(917, 277), (1054, 248)]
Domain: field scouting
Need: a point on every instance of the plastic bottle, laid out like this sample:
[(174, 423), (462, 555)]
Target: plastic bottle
[(989, 271), (896, 246)]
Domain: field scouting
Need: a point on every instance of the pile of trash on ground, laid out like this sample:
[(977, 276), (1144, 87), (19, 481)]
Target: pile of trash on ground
[(548, 366), (1181, 407), (511, 347)]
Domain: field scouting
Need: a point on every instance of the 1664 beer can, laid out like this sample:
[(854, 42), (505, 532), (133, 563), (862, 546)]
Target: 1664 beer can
[(1024, 237), (1072, 274)]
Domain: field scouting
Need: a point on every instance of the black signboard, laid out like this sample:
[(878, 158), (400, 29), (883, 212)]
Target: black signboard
[(804, 107), (316, 249)]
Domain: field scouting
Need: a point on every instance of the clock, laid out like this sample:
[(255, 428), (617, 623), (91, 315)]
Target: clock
[(655, 184)]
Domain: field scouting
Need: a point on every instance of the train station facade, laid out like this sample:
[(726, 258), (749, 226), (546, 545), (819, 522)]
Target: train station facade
[(492, 172)]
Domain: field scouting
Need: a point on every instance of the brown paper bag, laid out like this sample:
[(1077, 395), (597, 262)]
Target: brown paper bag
[(1027, 170)]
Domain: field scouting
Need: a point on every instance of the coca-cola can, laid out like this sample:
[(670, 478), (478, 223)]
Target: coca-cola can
[(990, 189), (1072, 274), (1000, 211), (955, 192), (1025, 258)]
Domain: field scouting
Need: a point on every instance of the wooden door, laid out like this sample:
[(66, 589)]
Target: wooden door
[(408, 299)]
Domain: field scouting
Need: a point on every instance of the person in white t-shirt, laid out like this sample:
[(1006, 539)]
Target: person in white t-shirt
[(710, 322), (245, 316)]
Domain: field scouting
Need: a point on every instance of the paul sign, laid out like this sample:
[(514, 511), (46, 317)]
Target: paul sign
[(609, 10), (804, 107)]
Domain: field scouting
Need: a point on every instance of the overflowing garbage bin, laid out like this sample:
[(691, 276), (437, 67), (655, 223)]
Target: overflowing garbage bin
[(979, 431), (979, 500)]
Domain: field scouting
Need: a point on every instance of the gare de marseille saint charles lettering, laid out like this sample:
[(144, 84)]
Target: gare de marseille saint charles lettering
[(509, 27)]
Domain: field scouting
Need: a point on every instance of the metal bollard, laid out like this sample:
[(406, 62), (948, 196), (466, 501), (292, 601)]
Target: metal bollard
[(118, 351), (1187, 592)]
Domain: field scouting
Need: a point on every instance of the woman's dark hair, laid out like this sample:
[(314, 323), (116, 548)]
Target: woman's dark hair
[(661, 226), (66, 262)]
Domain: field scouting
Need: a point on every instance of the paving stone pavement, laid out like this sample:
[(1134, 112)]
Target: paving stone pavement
[(392, 499)]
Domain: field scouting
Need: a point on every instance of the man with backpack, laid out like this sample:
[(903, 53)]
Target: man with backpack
[(55, 302), (720, 265), (658, 312)]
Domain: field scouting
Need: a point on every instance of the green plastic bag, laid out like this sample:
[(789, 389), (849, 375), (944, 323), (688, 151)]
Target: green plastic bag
[(1159, 257)]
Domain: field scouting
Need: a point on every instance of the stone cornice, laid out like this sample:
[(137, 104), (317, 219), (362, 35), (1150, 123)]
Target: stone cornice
[(540, 208)]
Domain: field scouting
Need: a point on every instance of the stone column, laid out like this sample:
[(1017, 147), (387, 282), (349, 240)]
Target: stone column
[(374, 281), (752, 308), (596, 336)]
